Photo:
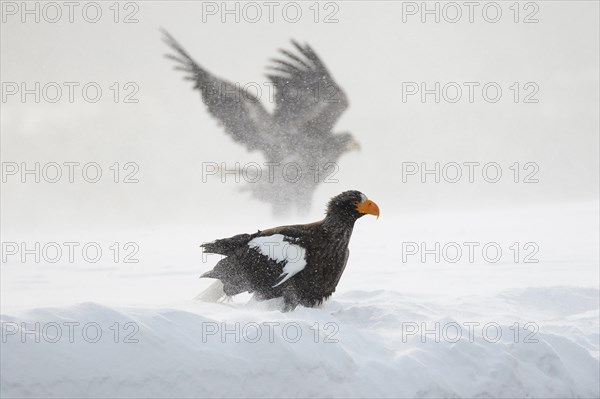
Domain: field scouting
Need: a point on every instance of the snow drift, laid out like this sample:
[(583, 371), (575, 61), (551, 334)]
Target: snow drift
[(364, 343)]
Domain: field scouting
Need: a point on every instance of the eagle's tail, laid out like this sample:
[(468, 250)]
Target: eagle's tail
[(226, 246)]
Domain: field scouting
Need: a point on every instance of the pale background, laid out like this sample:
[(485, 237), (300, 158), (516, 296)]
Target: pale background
[(369, 51)]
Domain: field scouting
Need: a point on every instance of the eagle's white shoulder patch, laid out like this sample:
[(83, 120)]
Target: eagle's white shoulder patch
[(276, 248)]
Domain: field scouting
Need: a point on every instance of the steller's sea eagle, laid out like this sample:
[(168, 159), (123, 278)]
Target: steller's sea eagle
[(301, 264), (297, 140)]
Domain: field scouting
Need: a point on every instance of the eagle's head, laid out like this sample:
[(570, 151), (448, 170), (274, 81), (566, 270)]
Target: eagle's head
[(345, 142), (351, 205)]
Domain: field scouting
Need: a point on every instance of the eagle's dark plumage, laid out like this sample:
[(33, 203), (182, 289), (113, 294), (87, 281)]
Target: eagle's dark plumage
[(308, 103), (300, 263)]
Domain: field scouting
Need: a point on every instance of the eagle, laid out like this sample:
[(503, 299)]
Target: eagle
[(300, 263), (296, 139)]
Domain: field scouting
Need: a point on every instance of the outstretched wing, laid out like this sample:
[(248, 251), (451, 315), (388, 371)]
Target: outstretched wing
[(239, 111), (305, 93)]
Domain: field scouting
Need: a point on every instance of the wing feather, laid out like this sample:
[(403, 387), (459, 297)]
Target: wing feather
[(306, 94), (239, 111)]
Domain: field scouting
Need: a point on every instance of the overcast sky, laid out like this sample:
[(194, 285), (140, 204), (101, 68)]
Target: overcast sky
[(373, 54)]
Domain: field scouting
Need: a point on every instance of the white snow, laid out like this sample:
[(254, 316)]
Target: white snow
[(392, 329), (371, 335), (276, 248)]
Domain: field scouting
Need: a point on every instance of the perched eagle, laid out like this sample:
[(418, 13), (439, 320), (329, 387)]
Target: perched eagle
[(301, 263), (299, 147)]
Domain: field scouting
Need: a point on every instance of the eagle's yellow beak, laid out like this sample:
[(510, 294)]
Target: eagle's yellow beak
[(368, 207), (353, 146)]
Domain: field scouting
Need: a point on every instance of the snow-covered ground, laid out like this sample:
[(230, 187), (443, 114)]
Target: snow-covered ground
[(395, 327)]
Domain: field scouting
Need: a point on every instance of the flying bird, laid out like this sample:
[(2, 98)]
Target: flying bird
[(296, 139), (301, 263)]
